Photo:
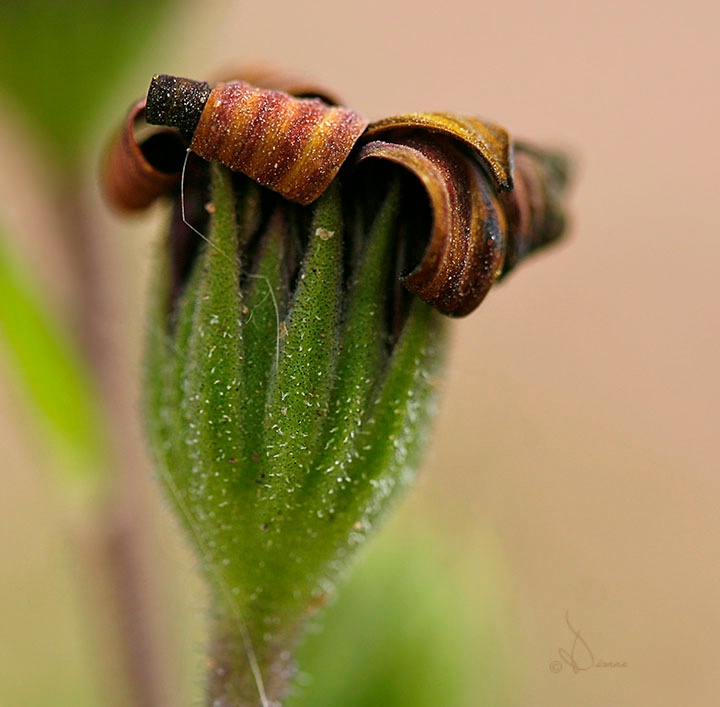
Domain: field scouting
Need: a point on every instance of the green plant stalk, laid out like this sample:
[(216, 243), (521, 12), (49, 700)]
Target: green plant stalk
[(76, 384), (115, 541), (284, 414)]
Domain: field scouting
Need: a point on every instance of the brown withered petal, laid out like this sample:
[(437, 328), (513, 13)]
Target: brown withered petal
[(490, 141), (293, 146), (134, 176), (491, 202), (534, 207), (465, 252)]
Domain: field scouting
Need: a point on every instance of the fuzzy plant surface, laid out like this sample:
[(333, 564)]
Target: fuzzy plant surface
[(283, 414), (299, 324)]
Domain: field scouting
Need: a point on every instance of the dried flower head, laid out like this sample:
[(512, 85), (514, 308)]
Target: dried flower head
[(297, 333)]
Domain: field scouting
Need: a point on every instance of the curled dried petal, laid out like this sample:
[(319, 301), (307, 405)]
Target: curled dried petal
[(491, 202), (293, 146), (490, 141), (465, 252), (135, 175), (534, 207)]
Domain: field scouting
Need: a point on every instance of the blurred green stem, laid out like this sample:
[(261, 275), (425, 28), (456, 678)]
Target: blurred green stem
[(118, 545)]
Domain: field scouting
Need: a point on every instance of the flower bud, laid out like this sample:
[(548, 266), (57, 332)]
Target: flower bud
[(297, 334)]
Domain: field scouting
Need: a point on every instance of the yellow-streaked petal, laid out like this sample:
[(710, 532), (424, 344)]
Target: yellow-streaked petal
[(490, 141), (466, 247), (291, 145)]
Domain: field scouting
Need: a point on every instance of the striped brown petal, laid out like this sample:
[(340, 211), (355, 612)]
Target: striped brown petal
[(466, 246), (489, 141), (492, 202), (293, 146), (535, 207), (135, 174)]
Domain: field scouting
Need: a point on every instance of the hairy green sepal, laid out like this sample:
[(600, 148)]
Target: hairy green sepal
[(282, 417)]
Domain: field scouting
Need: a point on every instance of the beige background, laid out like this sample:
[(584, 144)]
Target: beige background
[(580, 421)]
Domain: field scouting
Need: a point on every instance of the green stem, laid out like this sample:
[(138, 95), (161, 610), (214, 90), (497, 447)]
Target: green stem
[(241, 674), (119, 546)]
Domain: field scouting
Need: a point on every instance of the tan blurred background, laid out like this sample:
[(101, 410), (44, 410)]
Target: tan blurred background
[(579, 425)]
